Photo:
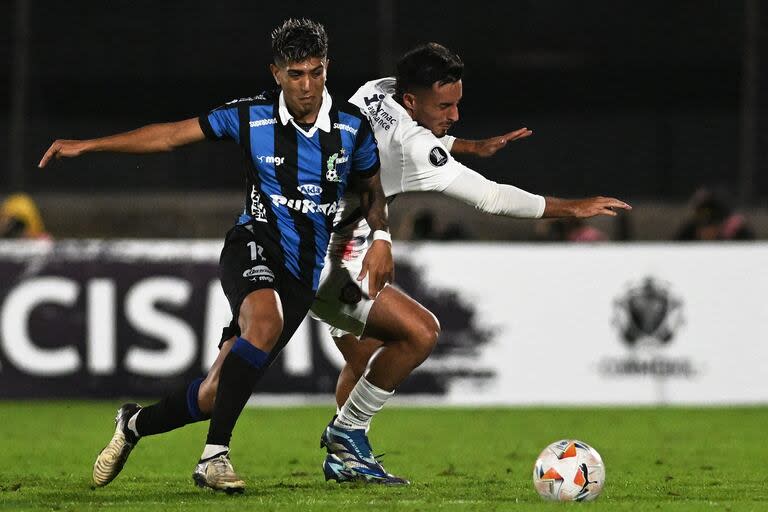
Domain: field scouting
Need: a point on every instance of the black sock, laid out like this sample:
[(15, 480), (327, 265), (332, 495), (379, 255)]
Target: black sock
[(175, 410), (240, 372)]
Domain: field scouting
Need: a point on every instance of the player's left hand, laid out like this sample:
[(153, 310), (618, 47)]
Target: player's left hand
[(488, 147), (378, 266)]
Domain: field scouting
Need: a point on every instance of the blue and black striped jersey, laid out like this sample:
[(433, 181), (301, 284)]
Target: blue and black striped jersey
[(295, 177)]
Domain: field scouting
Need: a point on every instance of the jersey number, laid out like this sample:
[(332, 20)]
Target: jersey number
[(257, 251)]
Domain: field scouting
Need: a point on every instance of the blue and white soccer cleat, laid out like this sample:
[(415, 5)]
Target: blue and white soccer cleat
[(350, 458), (333, 469)]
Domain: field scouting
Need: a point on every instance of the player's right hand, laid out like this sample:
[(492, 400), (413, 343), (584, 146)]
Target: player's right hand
[(599, 205), (63, 148)]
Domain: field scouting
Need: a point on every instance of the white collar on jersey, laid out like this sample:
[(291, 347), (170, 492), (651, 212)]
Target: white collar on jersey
[(323, 120)]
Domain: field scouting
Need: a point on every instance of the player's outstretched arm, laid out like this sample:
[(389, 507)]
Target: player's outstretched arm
[(488, 147), (377, 263), (153, 138), (498, 199), (583, 208)]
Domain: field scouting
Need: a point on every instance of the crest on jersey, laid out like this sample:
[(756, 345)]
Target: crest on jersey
[(332, 172), (437, 156)]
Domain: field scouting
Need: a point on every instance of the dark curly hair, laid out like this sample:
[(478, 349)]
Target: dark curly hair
[(426, 64), (296, 40)]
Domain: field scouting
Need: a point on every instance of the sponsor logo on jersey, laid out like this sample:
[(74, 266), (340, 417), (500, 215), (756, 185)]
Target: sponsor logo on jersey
[(259, 273), (345, 127), (437, 156), (250, 98), (310, 190), (382, 118), (373, 99), (263, 122), (305, 205), (258, 210), (277, 160)]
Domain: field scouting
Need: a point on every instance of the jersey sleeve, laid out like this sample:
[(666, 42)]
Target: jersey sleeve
[(427, 163), (365, 159), (496, 198), (221, 123), (447, 141), (429, 167)]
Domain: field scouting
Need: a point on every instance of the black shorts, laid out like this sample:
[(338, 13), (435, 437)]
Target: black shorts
[(250, 262)]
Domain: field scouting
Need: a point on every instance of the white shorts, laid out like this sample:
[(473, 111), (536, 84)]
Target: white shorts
[(342, 302)]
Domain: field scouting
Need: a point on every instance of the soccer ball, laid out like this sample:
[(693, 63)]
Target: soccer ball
[(569, 470)]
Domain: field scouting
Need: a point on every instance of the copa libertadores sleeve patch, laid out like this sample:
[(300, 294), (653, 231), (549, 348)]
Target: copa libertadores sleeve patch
[(437, 156)]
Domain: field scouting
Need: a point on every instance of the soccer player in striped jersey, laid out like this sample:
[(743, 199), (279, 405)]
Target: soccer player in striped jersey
[(302, 150)]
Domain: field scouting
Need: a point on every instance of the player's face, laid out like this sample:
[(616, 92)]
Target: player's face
[(437, 108), (302, 84)]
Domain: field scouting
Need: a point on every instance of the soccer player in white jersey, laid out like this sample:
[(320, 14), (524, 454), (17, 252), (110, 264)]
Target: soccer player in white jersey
[(411, 115)]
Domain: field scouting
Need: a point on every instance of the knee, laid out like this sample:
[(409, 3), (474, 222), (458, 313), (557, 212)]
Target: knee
[(423, 336), (261, 331)]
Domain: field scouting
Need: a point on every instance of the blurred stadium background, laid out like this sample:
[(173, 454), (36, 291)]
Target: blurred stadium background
[(661, 103), (648, 102)]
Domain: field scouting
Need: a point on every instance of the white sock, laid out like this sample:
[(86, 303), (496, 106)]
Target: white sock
[(364, 401), (132, 424), (213, 449)]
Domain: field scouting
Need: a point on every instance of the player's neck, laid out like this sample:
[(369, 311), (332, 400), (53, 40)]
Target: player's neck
[(303, 116), (308, 118)]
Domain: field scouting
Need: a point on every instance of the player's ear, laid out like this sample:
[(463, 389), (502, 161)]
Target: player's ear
[(274, 70), (409, 100)]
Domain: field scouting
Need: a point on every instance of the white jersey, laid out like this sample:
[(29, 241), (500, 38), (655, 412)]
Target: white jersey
[(413, 159)]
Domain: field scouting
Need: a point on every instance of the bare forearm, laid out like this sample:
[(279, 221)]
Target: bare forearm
[(373, 203), (377, 262), (487, 147), (153, 138), (375, 211), (556, 207), (464, 147)]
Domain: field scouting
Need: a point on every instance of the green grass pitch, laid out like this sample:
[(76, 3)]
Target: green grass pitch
[(458, 459)]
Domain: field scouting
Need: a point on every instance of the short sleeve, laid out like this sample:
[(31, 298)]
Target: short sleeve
[(365, 159), (447, 141), (427, 164), (221, 123)]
